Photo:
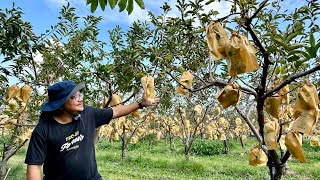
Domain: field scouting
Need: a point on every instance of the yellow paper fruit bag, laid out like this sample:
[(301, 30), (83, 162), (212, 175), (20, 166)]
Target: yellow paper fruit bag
[(307, 99), (12, 91), (186, 81), (286, 96), (135, 114), (257, 157), (293, 142), (217, 39), (198, 110), (24, 93), (271, 130), (230, 95), (314, 141), (272, 105), (147, 82), (305, 123), (241, 55), (116, 99)]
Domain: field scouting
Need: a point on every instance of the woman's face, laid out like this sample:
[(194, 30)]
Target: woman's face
[(75, 104)]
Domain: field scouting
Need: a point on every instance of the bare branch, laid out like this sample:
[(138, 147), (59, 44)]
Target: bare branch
[(263, 4), (223, 84), (246, 83), (35, 83), (255, 132), (290, 79)]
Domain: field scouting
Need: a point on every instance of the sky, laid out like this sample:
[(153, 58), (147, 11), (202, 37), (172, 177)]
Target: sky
[(44, 13)]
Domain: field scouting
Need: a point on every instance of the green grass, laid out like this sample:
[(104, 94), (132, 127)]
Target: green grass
[(155, 161)]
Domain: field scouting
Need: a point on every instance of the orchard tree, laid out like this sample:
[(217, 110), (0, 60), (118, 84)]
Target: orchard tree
[(16, 45), (36, 62), (285, 40)]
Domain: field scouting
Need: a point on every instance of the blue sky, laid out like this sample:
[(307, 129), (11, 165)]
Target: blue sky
[(44, 13)]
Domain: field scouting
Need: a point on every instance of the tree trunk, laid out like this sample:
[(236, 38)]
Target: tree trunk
[(187, 152), (226, 148), (172, 145), (241, 141), (276, 165), (123, 148), (96, 135), (3, 170)]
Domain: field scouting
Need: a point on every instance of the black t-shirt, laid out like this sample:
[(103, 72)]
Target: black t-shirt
[(67, 150)]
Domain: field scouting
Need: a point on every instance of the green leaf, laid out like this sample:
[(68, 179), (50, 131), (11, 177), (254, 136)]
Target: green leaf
[(113, 3), (130, 6), (298, 64), (283, 69), (122, 5), (312, 40), (140, 3), (311, 53), (293, 58), (103, 4), (277, 71), (295, 46), (94, 5), (291, 36), (88, 1), (278, 41)]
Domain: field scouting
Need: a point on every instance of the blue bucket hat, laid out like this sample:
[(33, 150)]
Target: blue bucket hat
[(59, 93)]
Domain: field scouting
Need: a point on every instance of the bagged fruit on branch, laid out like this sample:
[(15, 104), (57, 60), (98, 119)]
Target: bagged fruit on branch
[(305, 123), (257, 157), (229, 95), (24, 93), (272, 105), (217, 39), (271, 130), (307, 99), (198, 110), (185, 83), (314, 141), (293, 142), (241, 55), (116, 99), (147, 82), (12, 91)]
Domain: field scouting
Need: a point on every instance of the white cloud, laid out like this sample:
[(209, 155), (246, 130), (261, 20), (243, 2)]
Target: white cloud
[(38, 58), (114, 16), (138, 14), (56, 3), (223, 8)]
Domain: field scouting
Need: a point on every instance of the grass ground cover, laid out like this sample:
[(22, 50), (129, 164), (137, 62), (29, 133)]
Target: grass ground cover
[(154, 160)]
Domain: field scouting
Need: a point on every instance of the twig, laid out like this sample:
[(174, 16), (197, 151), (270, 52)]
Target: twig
[(286, 92), (246, 83), (35, 83), (258, 10), (178, 81), (255, 132), (223, 84), (290, 79)]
